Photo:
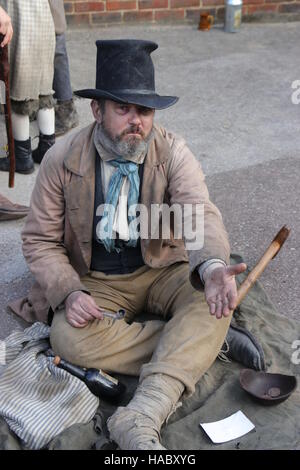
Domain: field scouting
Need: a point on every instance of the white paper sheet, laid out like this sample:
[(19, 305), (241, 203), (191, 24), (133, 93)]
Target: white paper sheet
[(229, 428)]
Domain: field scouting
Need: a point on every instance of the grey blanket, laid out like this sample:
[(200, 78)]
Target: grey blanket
[(218, 394)]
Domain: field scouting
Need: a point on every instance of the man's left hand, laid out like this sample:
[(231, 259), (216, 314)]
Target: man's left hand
[(220, 289)]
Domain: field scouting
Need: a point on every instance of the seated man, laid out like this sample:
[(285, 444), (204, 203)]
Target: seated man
[(82, 244)]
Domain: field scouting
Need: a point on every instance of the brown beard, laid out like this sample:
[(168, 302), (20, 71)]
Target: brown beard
[(132, 148)]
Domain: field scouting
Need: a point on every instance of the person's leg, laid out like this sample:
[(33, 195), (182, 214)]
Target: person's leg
[(192, 338), (22, 141), (112, 346), (187, 347), (61, 79), (45, 120), (66, 116), (46, 125), (20, 126)]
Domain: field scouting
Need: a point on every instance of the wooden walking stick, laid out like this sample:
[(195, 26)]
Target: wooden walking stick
[(4, 76), (258, 269)]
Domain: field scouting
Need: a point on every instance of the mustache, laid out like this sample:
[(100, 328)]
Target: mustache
[(133, 130)]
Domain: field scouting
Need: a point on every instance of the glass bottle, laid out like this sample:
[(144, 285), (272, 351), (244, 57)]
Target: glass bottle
[(99, 383)]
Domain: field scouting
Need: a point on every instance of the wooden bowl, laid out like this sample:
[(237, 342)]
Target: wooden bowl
[(268, 389)]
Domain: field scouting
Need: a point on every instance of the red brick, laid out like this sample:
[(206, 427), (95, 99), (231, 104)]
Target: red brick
[(133, 16), (152, 4), (221, 13), (289, 8), (261, 8), (168, 15), (184, 3), (121, 5), (106, 17), (194, 15), (86, 7), (69, 7), (214, 3), (253, 2), (78, 20)]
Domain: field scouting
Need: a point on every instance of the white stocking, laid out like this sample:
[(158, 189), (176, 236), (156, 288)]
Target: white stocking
[(46, 121), (20, 126)]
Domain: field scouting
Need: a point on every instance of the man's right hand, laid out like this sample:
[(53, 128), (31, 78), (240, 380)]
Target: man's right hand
[(81, 308)]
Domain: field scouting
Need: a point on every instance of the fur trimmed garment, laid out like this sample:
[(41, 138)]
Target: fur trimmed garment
[(31, 51)]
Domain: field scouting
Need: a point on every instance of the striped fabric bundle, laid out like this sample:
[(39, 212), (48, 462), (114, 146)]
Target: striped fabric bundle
[(37, 399)]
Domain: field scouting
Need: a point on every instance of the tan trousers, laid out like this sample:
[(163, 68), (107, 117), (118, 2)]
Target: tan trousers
[(183, 342)]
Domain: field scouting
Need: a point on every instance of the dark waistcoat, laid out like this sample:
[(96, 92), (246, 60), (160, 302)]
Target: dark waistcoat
[(128, 259)]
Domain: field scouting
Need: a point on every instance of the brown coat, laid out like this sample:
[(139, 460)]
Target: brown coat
[(57, 237)]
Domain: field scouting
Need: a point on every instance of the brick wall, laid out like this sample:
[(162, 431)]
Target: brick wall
[(103, 12)]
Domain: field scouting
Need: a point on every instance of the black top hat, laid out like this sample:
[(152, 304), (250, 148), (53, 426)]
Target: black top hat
[(125, 73)]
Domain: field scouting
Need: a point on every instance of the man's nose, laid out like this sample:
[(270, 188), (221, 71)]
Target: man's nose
[(134, 117)]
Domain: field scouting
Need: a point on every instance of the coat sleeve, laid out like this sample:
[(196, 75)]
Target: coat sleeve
[(43, 234), (187, 186)]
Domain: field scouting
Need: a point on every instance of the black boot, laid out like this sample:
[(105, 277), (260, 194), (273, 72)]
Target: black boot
[(24, 162), (45, 142)]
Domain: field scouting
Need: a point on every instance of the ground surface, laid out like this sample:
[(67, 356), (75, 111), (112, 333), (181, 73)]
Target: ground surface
[(236, 113)]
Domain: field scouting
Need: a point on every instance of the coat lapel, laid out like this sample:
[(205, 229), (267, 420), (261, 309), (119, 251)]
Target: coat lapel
[(80, 192), (155, 179)]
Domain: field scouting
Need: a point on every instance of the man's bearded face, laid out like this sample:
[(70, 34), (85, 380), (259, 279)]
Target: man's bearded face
[(126, 128)]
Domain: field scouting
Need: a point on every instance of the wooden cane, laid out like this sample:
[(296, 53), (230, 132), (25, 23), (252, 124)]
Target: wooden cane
[(4, 75), (258, 269)]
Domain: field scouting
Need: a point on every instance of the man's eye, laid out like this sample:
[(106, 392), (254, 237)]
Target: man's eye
[(123, 109), (145, 111)]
